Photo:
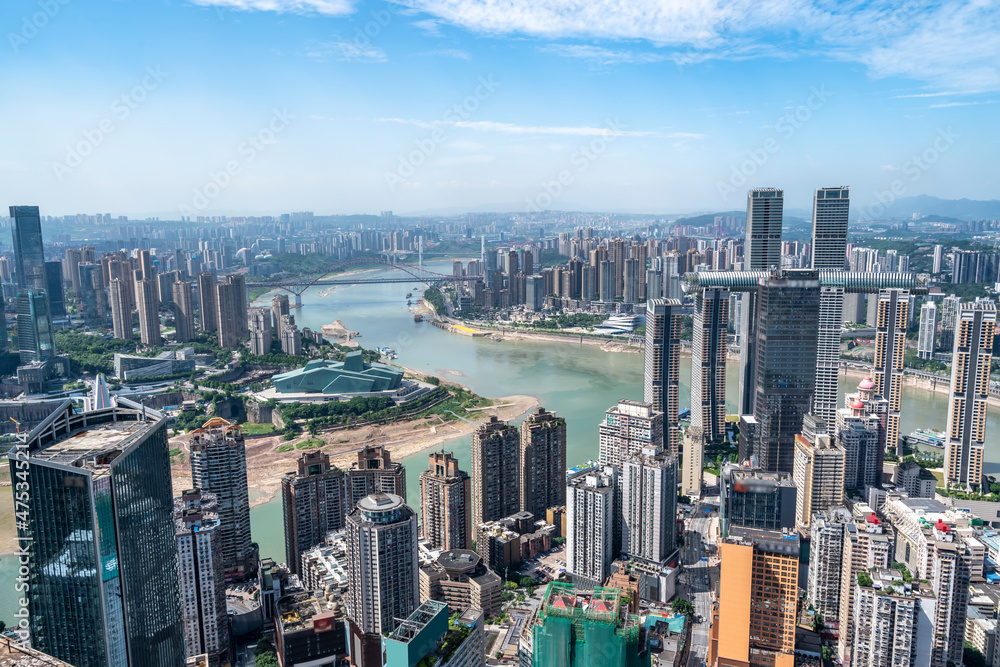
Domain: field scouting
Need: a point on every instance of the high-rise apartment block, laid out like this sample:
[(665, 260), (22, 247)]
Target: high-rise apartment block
[(661, 377), (208, 302), (314, 503), (708, 362), (826, 553), (231, 300), (543, 462), (829, 251), (893, 308), (628, 428), (183, 311), (857, 434), (446, 503), (383, 582), (148, 302), (693, 458), (495, 471), (649, 506), (291, 337), (755, 617), (592, 507), (375, 472), (928, 330), (893, 621), (866, 545), (818, 471), (102, 561), (785, 369), (219, 466), (970, 390), (279, 308), (202, 579), (121, 310), (260, 331)]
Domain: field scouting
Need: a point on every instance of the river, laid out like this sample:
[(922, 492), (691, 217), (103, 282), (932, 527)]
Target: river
[(579, 382)]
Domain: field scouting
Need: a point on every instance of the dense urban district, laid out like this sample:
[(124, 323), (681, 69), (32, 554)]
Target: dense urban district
[(156, 385)]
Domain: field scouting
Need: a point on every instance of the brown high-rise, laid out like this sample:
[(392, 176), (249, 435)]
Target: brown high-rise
[(207, 302), (446, 503), (375, 472), (314, 502), (121, 310), (543, 462), (495, 471), (183, 312), (148, 299), (231, 296)]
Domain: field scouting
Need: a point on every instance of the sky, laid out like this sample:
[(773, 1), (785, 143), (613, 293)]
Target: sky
[(230, 107)]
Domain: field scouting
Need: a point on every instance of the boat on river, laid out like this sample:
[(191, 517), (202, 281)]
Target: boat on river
[(418, 318)]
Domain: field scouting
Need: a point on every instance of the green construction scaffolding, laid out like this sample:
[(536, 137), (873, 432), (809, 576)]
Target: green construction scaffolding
[(585, 630)]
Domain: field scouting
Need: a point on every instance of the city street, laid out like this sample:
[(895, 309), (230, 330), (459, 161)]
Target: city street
[(699, 574)]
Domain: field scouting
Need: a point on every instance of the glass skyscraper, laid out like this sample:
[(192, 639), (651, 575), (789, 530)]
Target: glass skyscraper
[(29, 255), (102, 561)]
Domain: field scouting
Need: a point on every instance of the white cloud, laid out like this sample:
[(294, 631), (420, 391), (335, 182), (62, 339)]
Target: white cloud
[(601, 56), (347, 52), (458, 54), (430, 27), (552, 130), (948, 44), (324, 7), (945, 105)]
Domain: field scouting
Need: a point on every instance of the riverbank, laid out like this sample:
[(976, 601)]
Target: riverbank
[(270, 457), (576, 338)]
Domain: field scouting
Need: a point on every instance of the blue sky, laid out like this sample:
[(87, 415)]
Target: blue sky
[(170, 107)]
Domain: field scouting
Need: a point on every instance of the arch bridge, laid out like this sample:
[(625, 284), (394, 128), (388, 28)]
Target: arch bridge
[(300, 284)]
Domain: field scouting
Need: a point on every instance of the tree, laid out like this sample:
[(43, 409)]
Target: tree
[(972, 657), (682, 606), (527, 581), (818, 623)]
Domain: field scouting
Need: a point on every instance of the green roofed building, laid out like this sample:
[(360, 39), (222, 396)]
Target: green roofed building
[(350, 376), (577, 629)]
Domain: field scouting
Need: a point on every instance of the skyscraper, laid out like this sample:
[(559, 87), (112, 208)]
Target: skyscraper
[(627, 428), (857, 433), (34, 328), (661, 377), (446, 503), (231, 295), (54, 288), (495, 471), (183, 311), (928, 330), (829, 251), (148, 302), (938, 256), (649, 506), (101, 557), (708, 362), (202, 579), (892, 621), (383, 583), (313, 499), (826, 551), (375, 472), (591, 517), (219, 466), (754, 621), (93, 299), (291, 338), (890, 345), (785, 369), (208, 304), (693, 461), (543, 462), (761, 251), (29, 254), (866, 545), (121, 310), (970, 387), (260, 331)]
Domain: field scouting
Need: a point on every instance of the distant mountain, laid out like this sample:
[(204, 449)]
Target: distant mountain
[(935, 208)]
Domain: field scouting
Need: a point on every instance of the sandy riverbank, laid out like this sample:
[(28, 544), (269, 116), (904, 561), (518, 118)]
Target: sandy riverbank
[(339, 333), (266, 466)]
